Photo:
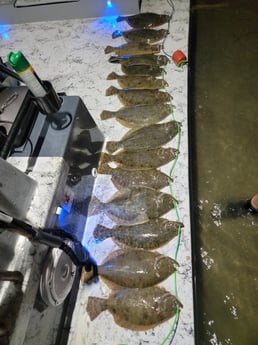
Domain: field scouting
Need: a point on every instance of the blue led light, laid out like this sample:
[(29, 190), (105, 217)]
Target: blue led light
[(4, 32), (109, 4)]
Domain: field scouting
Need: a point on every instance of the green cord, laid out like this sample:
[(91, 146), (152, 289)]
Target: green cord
[(173, 326)]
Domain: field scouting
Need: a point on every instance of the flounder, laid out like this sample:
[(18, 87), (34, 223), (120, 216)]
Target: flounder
[(133, 48), (148, 59), (124, 178), (145, 20), (136, 268), (150, 235), (139, 115), (141, 35), (138, 82), (135, 96), (140, 159), (133, 206), (151, 136), (154, 71), (136, 309)]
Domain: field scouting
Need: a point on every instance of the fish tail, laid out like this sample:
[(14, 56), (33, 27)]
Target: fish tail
[(106, 114), (95, 306), (112, 76), (111, 91), (95, 206), (120, 18), (108, 49), (101, 233), (112, 146), (117, 33)]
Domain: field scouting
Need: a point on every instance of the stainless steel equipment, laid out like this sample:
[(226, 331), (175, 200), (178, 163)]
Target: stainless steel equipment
[(46, 181)]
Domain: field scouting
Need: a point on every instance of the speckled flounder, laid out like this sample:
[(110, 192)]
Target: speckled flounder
[(133, 48), (135, 96), (150, 235), (145, 137), (138, 82), (148, 158), (138, 115), (124, 178), (136, 70), (133, 206), (136, 268), (145, 20), (136, 309), (148, 59), (141, 35)]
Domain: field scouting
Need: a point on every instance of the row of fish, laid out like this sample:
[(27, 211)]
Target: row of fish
[(133, 272)]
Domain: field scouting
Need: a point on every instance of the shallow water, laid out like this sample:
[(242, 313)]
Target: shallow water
[(223, 129)]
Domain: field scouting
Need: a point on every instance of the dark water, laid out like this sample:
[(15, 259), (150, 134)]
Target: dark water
[(223, 129)]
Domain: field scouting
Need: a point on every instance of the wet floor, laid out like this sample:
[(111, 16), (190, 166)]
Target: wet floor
[(223, 130)]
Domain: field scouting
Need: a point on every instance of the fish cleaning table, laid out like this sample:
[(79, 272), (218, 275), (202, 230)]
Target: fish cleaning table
[(70, 54)]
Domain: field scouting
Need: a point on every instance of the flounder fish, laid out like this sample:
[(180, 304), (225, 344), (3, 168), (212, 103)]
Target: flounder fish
[(133, 206), (148, 158), (136, 268), (135, 96), (136, 309), (138, 82), (154, 71), (133, 48), (138, 115), (141, 35), (150, 235), (145, 20), (153, 136), (148, 59), (124, 178)]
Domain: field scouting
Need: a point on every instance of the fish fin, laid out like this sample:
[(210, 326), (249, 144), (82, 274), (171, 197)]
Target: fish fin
[(101, 232), (108, 49), (113, 255), (125, 324), (124, 123), (112, 76), (116, 183), (106, 114), (117, 33), (120, 18), (112, 146), (129, 133), (111, 91), (104, 169), (94, 206), (105, 158), (95, 306)]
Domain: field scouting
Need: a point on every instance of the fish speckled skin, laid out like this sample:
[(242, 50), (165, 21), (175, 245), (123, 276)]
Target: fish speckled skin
[(124, 178), (138, 82), (136, 268), (139, 115), (147, 137), (136, 309), (154, 71), (142, 35), (136, 97), (133, 206), (145, 20), (133, 48), (150, 235), (149, 158), (148, 59)]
